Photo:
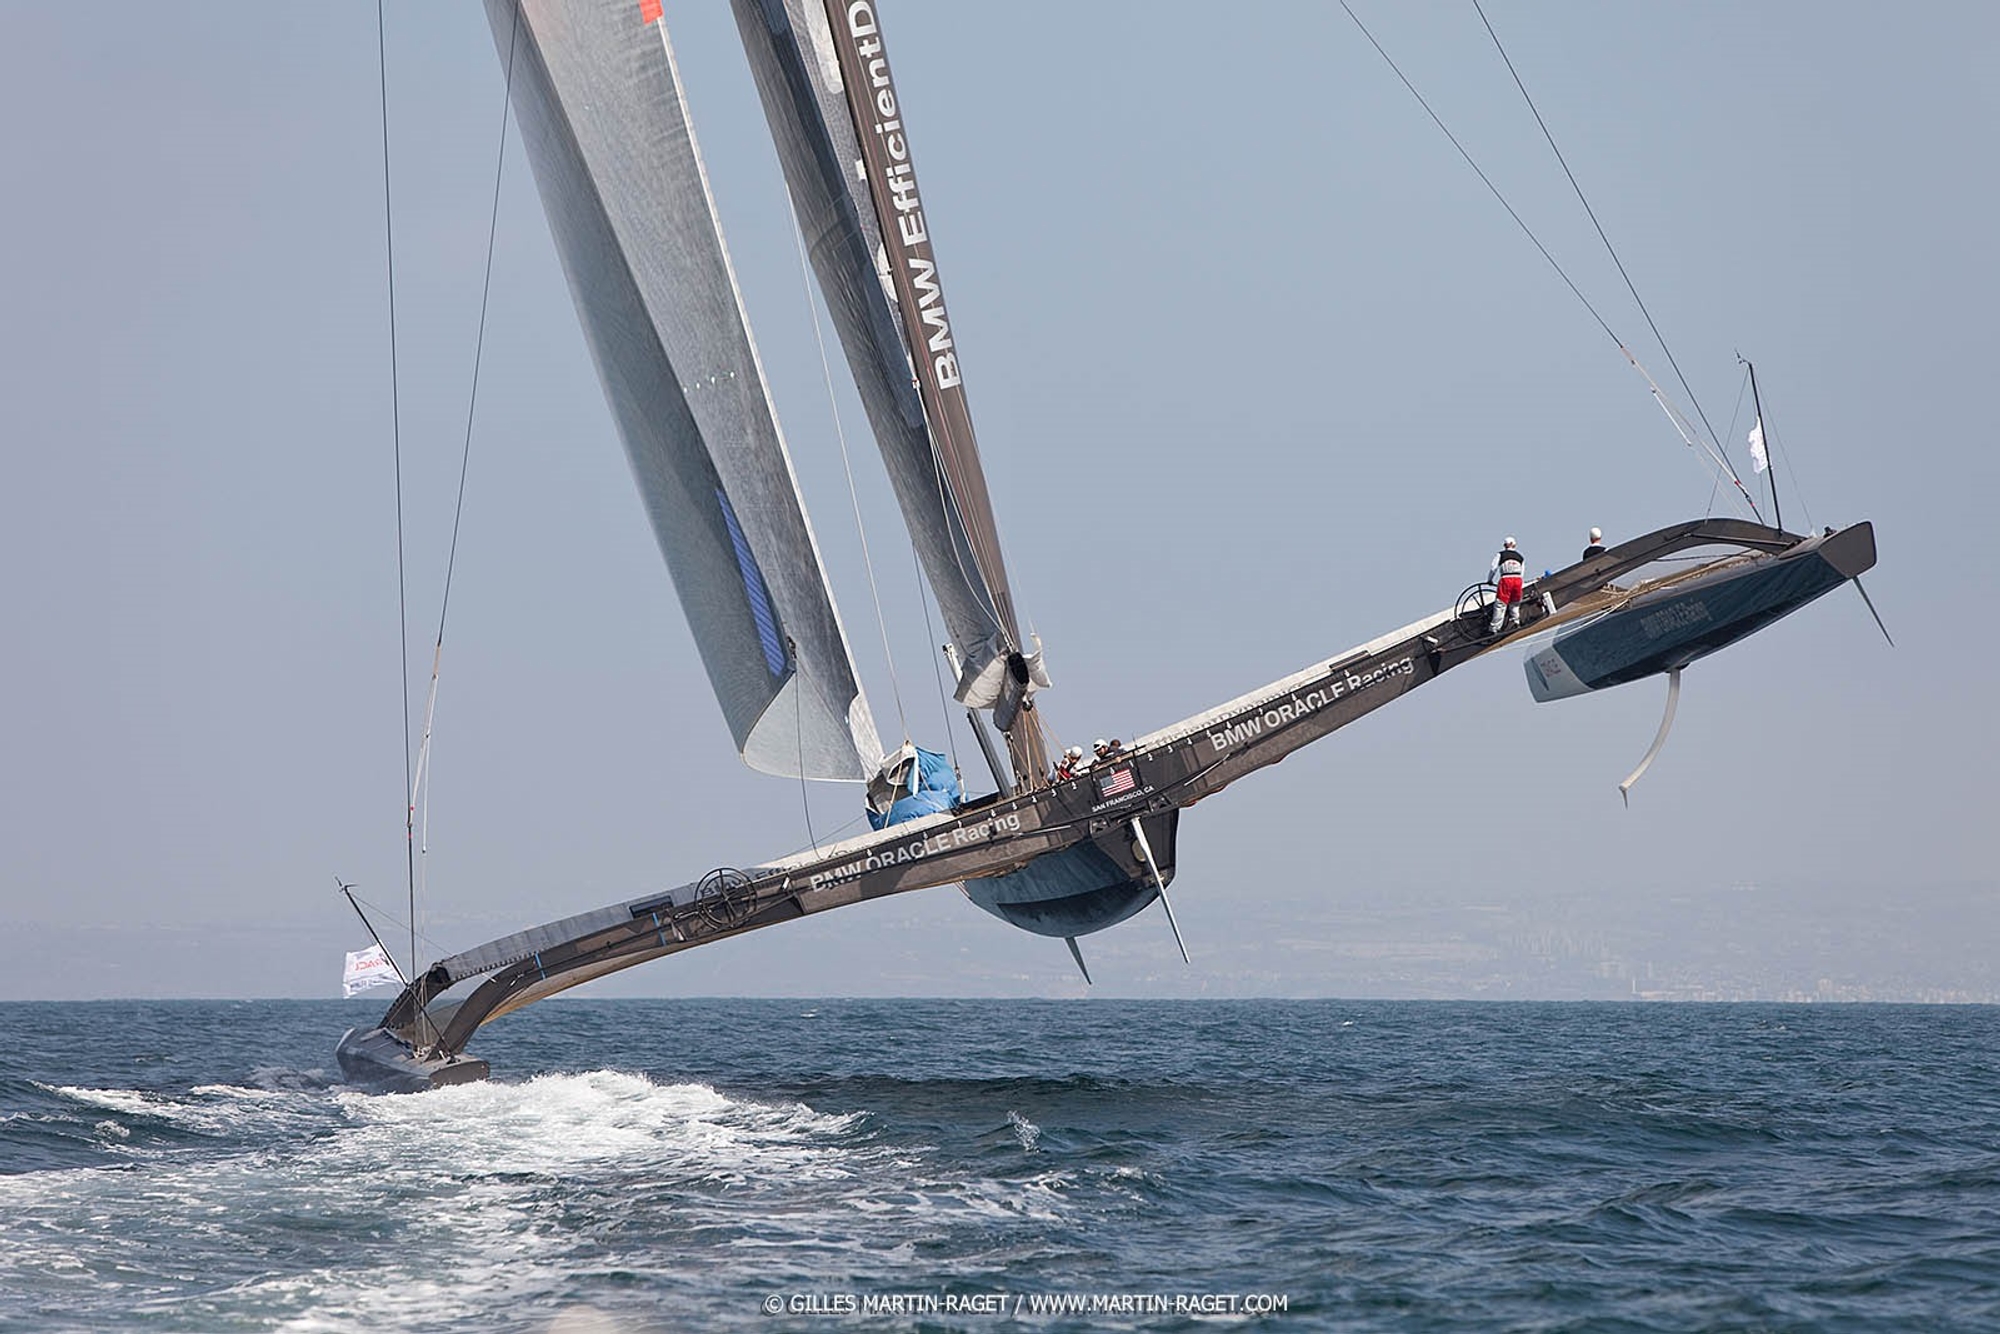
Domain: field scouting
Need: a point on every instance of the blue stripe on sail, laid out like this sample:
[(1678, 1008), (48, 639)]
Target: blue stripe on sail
[(753, 588)]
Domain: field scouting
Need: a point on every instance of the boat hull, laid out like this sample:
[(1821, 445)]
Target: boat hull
[(1081, 889), (989, 843), (1667, 630), (377, 1060)]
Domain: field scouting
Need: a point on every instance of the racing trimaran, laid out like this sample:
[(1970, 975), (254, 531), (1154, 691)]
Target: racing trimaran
[(598, 98)]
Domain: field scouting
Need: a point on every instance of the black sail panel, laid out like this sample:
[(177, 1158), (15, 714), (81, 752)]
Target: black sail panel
[(856, 198)]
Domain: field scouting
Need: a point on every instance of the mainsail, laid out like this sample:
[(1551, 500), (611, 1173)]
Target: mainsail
[(824, 80), (599, 103)]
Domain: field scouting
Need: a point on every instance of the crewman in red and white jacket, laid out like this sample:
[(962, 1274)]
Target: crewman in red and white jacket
[(1506, 572)]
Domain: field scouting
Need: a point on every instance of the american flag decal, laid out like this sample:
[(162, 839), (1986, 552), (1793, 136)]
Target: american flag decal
[(1117, 782)]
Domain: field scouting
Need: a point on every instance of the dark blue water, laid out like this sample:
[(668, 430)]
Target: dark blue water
[(677, 1164)]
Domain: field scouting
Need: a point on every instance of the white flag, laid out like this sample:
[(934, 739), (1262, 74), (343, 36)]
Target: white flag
[(1758, 458), (366, 968)]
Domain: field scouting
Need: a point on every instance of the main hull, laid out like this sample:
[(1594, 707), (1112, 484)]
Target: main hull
[(1081, 889)]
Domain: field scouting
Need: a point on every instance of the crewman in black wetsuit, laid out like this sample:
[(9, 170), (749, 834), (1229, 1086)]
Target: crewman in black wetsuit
[(1596, 547)]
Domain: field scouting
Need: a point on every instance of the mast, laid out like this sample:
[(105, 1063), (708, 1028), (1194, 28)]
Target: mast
[(885, 159), (1757, 405)]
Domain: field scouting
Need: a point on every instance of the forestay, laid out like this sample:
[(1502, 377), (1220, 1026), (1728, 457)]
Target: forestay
[(600, 107)]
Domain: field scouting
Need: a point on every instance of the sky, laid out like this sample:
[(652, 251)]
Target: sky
[(1260, 371)]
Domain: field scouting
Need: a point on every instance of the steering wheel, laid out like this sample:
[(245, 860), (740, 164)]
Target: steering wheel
[(1476, 598)]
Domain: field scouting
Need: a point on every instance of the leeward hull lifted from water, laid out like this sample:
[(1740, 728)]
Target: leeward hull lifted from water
[(1684, 619)]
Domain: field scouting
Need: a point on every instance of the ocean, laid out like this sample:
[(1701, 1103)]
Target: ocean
[(1009, 1165)]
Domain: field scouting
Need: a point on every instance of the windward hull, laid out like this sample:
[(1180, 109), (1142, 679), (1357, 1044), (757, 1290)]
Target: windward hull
[(1669, 629)]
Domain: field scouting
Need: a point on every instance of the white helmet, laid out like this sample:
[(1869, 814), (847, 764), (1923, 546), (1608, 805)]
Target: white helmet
[(1099, 744), (1074, 752), (1508, 543), (1597, 534)]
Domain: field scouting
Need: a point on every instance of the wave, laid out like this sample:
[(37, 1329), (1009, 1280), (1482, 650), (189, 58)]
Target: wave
[(1541, 1168)]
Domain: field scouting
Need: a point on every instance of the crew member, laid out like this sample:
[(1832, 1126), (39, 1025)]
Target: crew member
[(1506, 572), (1596, 547), (1066, 768)]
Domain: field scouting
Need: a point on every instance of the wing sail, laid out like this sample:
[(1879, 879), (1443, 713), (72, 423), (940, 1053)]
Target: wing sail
[(600, 108)]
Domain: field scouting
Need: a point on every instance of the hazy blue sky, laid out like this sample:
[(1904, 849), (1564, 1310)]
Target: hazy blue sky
[(1260, 371)]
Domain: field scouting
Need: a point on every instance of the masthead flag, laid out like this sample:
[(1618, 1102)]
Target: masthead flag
[(1758, 458), (366, 968)]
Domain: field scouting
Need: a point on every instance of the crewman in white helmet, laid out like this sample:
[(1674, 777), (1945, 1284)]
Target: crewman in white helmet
[(1596, 547)]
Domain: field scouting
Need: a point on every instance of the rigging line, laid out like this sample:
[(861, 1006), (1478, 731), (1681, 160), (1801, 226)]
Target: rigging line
[(853, 495), (348, 890), (1042, 726), (1686, 433), (1608, 247), (982, 540), (955, 528), (948, 464), (396, 432), (1735, 420), (833, 836), (485, 299), (465, 459), (930, 636), (417, 785), (1484, 179), (393, 920), (799, 731), (1792, 472), (1736, 414), (953, 514), (1694, 439)]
